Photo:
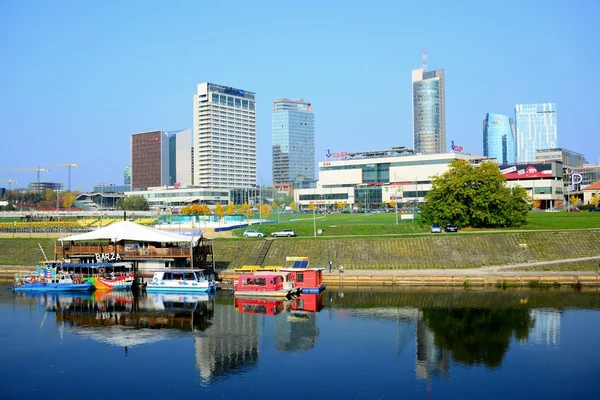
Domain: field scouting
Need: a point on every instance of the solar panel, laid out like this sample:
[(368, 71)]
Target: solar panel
[(300, 264)]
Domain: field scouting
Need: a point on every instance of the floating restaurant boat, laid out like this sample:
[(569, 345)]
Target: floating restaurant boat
[(265, 284), (51, 283), (309, 280), (104, 276), (180, 280)]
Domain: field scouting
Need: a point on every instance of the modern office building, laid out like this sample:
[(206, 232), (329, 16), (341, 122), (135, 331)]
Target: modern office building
[(429, 111), (180, 157), (293, 142), (127, 175), (224, 139), (111, 188), (567, 157), (499, 140), (536, 129), (149, 160), (368, 179)]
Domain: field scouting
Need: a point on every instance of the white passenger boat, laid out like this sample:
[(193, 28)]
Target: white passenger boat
[(180, 281)]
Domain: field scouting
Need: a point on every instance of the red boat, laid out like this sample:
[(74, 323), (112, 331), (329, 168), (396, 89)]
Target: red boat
[(309, 280), (274, 284)]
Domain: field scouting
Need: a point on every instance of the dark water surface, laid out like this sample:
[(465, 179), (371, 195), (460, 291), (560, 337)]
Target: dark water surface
[(343, 344)]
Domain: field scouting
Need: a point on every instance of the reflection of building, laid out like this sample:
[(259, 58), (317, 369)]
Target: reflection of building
[(297, 329), (429, 111), (224, 137), (546, 329), (431, 361), (229, 345), (293, 141), (536, 129), (499, 140)]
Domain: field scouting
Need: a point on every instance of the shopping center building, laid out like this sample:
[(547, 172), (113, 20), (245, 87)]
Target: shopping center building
[(368, 179)]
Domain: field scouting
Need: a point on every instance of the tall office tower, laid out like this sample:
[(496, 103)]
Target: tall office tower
[(180, 157), (429, 111), (224, 137), (499, 140), (149, 160), (127, 175), (293, 141), (536, 129)]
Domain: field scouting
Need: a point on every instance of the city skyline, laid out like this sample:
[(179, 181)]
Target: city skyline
[(95, 96)]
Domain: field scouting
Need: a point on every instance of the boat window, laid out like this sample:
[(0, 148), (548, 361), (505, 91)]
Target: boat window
[(189, 276), (177, 276), (260, 281), (300, 277)]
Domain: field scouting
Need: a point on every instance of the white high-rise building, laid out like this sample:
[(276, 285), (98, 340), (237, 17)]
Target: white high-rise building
[(224, 137)]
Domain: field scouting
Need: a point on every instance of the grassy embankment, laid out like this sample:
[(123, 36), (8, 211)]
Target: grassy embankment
[(385, 224)]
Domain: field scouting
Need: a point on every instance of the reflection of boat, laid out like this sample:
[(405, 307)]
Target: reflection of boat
[(265, 284), (171, 300), (259, 306), (309, 280), (51, 283), (104, 276), (180, 280), (308, 302)]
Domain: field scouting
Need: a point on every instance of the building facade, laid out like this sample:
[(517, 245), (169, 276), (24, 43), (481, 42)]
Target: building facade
[(180, 157), (224, 139), (149, 160), (127, 175), (536, 129), (368, 179), (499, 140), (293, 142), (429, 111)]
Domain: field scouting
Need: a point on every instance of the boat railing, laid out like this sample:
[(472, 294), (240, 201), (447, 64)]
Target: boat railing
[(148, 252)]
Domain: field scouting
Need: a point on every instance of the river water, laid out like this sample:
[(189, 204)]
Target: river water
[(343, 344)]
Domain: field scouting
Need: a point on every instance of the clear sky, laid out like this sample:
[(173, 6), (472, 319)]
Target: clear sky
[(78, 77)]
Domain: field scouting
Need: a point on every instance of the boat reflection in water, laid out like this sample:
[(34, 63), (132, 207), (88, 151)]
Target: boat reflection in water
[(295, 320)]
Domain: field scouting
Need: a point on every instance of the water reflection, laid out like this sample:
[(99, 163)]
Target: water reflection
[(434, 329)]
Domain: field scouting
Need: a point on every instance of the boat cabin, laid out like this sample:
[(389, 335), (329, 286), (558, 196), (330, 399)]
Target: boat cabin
[(307, 279), (259, 306), (260, 283), (179, 275)]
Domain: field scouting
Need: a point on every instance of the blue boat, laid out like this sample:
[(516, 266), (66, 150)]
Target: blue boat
[(56, 283)]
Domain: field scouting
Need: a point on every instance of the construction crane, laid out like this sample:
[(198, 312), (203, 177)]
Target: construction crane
[(10, 182), (38, 170), (65, 165)]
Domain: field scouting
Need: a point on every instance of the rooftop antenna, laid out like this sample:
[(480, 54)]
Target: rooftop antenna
[(424, 59)]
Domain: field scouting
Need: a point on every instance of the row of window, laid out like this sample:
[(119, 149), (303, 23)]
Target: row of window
[(232, 102)]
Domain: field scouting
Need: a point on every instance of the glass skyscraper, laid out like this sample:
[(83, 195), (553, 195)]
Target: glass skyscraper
[(429, 111), (293, 140), (536, 129), (499, 140)]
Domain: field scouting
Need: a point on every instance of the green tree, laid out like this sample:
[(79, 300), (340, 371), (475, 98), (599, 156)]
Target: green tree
[(475, 196), (133, 203)]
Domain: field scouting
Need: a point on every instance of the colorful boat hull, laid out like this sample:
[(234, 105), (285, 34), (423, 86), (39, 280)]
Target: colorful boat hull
[(53, 287), (117, 283)]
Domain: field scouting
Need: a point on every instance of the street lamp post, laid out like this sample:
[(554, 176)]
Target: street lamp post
[(314, 220)]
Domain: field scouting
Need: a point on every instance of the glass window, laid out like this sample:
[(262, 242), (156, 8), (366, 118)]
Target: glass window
[(230, 101), (251, 104), (238, 103), (215, 98), (245, 104), (223, 100)]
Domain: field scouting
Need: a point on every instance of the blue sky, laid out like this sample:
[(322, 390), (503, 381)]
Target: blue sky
[(78, 77)]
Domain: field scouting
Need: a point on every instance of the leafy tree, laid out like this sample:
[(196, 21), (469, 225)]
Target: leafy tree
[(285, 200), (475, 196), (340, 205), (186, 210), (195, 209), (243, 209), (230, 209), (573, 200), (294, 206), (537, 204), (68, 199), (49, 195), (265, 210), (133, 203), (558, 203), (219, 210), (392, 203), (312, 206), (204, 210), (248, 212), (594, 200)]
